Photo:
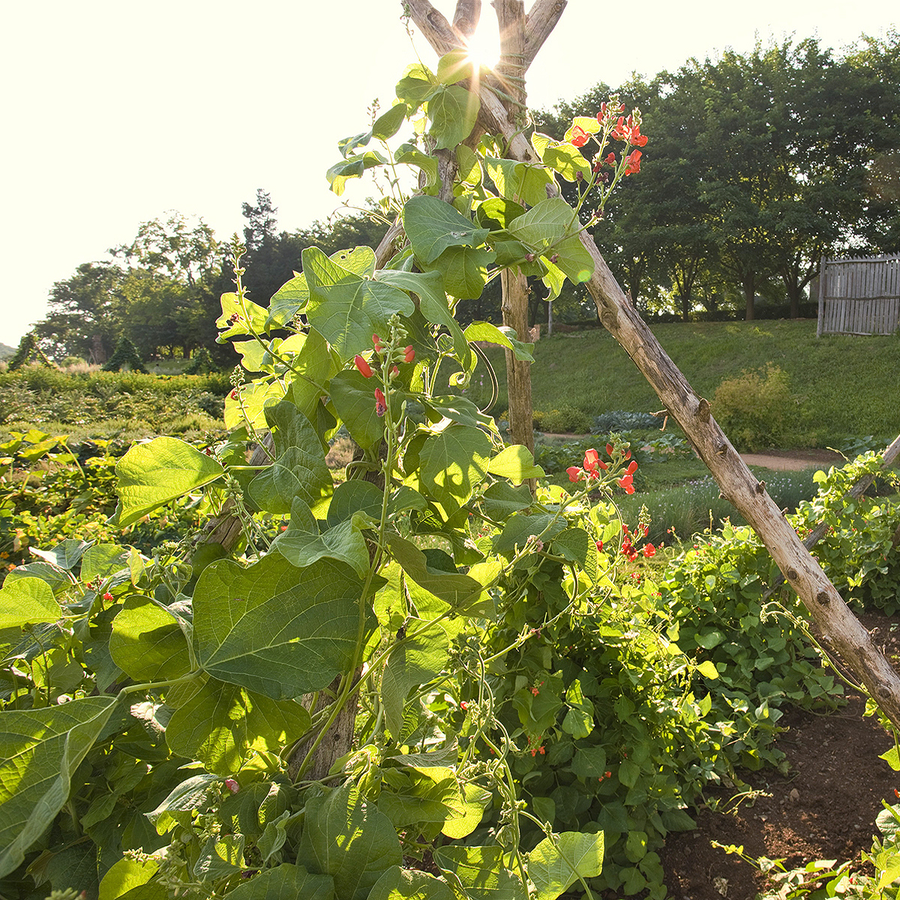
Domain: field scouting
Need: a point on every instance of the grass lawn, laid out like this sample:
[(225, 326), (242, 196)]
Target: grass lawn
[(842, 386)]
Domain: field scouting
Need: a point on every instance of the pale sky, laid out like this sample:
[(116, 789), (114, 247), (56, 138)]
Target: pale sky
[(117, 112)]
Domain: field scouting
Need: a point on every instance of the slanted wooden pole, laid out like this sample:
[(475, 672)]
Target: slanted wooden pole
[(839, 628)]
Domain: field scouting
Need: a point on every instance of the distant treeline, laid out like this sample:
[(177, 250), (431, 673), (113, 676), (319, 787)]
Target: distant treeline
[(757, 166)]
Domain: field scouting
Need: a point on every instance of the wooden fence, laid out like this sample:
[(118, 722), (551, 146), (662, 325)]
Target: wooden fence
[(859, 296)]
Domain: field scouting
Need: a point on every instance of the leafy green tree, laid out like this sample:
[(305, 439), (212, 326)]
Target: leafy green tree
[(173, 266), (86, 313), (874, 68)]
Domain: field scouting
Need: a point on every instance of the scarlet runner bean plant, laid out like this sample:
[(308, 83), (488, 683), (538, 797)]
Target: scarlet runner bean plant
[(184, 703)]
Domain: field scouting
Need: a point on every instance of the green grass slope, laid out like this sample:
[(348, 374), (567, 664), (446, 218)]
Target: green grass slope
[(842, 386)]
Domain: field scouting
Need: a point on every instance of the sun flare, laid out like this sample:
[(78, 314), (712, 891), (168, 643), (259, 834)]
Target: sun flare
[(484, 47)]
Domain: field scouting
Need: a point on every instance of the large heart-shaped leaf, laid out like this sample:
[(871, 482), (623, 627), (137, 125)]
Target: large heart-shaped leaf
[(429, 288), (453, 463), (353, 396), (347, 308), (561, 156), (502, 335), (545, 224), (303, 543), (409, 884), (40, 749), (348, 839), (453, 111), (223, 724), (299, 469), (452, 587), (558, 862), (415, 661), (483, 872), (285, 882), (518, 181), (147, 642), (161, 470), (27, 601), (433, 225), (274, 628), (515, 463), (464, 270)]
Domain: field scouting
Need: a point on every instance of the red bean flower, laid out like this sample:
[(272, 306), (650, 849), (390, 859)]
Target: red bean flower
[(625, 482), (380, 402), (579, 137), (649, 550), (364, 368), (409, 354), (574, 473), (633, 162)]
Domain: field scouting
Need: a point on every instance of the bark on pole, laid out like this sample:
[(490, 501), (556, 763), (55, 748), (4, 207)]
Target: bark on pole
[(839, 628), (510, 70)]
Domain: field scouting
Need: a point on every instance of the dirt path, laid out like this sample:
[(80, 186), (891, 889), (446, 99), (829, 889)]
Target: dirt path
[(794, 460)]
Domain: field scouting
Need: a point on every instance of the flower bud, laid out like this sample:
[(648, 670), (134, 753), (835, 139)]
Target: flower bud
[(364, 368)]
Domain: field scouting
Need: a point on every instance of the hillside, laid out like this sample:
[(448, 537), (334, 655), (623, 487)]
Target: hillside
[(844, 386)]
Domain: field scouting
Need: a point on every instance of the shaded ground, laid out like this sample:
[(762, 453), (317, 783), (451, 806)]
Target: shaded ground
[(824, 808)]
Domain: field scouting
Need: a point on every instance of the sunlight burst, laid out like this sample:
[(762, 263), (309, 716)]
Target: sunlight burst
[(484, 46)]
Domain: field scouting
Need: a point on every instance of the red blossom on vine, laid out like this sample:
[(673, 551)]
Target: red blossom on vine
[(364, 368), (633, 162), (409, 354), (380, 402), (579, 137)]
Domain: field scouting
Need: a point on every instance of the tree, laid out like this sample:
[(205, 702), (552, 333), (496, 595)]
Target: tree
[(171, 266), (86, 314)]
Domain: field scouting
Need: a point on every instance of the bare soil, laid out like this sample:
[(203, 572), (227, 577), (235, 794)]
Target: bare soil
[(823, 808), (793, 460)]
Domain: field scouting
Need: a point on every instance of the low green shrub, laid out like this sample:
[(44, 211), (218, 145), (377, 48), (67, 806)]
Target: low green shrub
[(564, 420), (757, 410)]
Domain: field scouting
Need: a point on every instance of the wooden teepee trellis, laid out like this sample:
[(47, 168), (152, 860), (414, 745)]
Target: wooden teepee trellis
[(521, 38)]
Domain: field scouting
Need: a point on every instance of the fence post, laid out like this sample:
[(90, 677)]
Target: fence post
[(821, 298)]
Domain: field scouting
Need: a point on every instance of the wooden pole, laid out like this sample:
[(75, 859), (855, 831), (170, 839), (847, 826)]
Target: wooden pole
[(839, 628)]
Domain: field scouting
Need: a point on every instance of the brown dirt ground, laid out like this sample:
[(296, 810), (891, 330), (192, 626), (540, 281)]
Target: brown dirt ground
[(793, 460), (823, 808)]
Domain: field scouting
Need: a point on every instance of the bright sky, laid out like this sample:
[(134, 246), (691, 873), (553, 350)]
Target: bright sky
[(118, 112)]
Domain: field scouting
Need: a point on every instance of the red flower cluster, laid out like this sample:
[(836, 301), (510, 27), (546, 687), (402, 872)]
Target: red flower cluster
[(609, 111), (589, 469), (628, 548), (625, 482), (630, 130)]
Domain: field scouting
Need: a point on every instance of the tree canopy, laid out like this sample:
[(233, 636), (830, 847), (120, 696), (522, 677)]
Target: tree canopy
[(758, 165)]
